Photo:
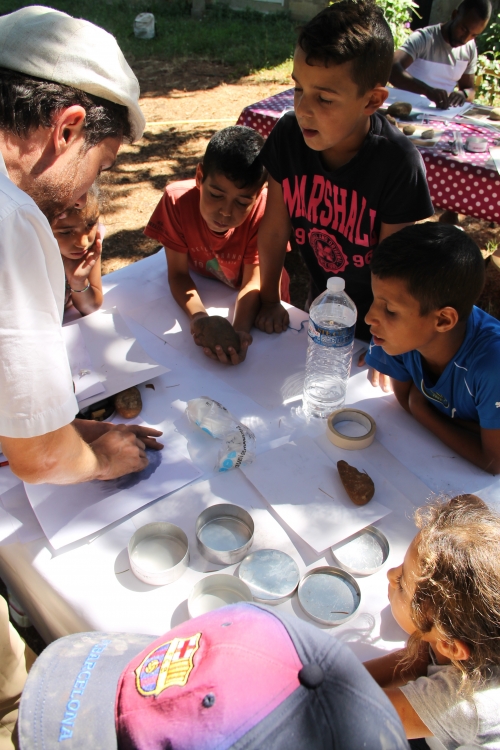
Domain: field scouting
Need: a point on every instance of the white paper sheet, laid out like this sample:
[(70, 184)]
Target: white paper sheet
[(303, 487), (16, 503), (267, 379), (85, 379), (7, 478), (72, 512), (117, 357), (421, 104)]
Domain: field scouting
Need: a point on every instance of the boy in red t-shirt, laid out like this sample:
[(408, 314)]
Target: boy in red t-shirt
[(209, 225)]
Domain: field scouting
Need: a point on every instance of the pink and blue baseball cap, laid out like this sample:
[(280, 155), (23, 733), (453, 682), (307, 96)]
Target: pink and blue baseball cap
[(241, 677)]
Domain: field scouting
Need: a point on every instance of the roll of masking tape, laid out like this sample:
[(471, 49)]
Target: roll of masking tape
[(346, 441)]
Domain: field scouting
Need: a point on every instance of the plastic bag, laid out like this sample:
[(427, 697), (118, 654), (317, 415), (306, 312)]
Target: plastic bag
[(238, 442), (144, 26)]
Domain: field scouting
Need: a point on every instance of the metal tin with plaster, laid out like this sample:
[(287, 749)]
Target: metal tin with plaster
[(328, 595), (270, 574), (158, 553), (224, 533), (364, 553), (216, 591)]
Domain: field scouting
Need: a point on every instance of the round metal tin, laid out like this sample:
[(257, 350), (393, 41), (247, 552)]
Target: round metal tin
[(224, 533), (270, 574), (158, 553), (217, 591), (329, 595), (363, 553)]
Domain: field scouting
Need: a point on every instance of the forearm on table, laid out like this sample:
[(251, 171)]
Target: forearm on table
[(59, 457), (272, 252), (401, 79), (390, 670), (466, 443), (186, 295), (88, 301), (248, 301)]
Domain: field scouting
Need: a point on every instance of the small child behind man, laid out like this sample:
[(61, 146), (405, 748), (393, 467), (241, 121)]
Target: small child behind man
[(79, 237), (209, 225), (441, 353), (340, 175)]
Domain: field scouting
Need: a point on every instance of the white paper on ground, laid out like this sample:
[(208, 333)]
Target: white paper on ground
[(269, 380), (16, 503), (303, 486), (85, 379), (421, 104), (71, 512), (116, 355)]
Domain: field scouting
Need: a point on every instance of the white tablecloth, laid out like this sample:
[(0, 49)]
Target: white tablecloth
[(89, 586)]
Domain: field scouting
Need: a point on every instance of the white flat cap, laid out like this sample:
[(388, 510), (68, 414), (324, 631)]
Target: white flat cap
[(51, 45)]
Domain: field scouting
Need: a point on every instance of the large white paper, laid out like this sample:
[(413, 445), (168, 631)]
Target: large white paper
[(117, 357), (303, 486), (71, 512), (422, 105), (85, 379), (268, 379), (16, 503)]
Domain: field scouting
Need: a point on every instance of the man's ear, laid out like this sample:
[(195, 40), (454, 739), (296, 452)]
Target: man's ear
[(377, 97), (455, 651), (68, 126), (199, 174), (446, 319)]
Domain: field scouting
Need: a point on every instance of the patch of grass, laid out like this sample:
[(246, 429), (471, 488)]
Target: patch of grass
[(245, 40)]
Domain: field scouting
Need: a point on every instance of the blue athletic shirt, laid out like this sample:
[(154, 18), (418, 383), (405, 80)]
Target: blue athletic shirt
[(469, 387)]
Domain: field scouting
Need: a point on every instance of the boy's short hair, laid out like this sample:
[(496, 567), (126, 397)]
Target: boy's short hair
[(234, 152), (441, 265), (351, 31)]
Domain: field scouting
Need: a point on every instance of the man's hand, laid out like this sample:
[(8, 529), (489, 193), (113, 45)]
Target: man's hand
[(272, 318), (119, 452), (456, 99), (234, 358), (375, 377), (440, 97), (91, 430)]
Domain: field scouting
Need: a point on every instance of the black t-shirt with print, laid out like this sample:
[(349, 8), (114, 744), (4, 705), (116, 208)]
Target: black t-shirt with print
[(336, 215)]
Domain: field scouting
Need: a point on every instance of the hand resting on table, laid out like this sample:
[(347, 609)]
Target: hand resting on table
[(375, 377)]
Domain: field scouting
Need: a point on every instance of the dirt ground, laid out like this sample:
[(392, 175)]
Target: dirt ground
[(176, 96)]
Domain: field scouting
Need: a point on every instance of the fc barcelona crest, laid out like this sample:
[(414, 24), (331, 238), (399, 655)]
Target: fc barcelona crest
[(169, 664)]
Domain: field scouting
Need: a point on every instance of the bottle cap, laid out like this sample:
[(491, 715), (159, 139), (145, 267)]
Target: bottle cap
[(335, 284)]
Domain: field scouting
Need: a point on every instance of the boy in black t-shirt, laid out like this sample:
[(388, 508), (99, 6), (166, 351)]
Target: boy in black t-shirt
[(340, 174)]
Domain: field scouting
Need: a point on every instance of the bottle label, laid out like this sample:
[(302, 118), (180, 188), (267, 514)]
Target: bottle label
[(331, 337)]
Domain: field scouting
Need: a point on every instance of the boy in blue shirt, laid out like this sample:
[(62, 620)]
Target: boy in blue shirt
[(441, 352)]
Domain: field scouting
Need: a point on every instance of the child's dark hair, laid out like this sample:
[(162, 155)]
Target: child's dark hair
[(234, 152), (351, 31), (458, 585), (441, 265)]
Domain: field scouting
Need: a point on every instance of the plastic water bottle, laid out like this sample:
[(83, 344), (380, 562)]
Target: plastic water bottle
[(332, 319)]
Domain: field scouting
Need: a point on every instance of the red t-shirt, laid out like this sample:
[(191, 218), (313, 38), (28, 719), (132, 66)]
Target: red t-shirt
[(177, 223)]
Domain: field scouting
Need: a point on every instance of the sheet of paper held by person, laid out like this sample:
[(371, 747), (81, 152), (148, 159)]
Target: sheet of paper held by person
[(303, 487), (422, 105), (68, 513)]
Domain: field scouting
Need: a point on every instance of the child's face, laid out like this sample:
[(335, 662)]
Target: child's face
[(395, 320), (329, 108), (402, 583), (75, 233), (223, 205)]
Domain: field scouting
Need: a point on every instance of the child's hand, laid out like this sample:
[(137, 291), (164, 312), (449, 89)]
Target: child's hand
[(375, 377), (234, 358), (78, 269), (272, 318)]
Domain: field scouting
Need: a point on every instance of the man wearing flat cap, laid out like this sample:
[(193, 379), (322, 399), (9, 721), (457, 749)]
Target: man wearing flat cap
[(68, 100)]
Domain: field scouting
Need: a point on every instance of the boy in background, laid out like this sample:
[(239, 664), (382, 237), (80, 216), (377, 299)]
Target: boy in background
[(340, 174), (209, 225), (441, 353)]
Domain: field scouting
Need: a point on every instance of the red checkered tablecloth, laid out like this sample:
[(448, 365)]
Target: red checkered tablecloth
[(459, 183)]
